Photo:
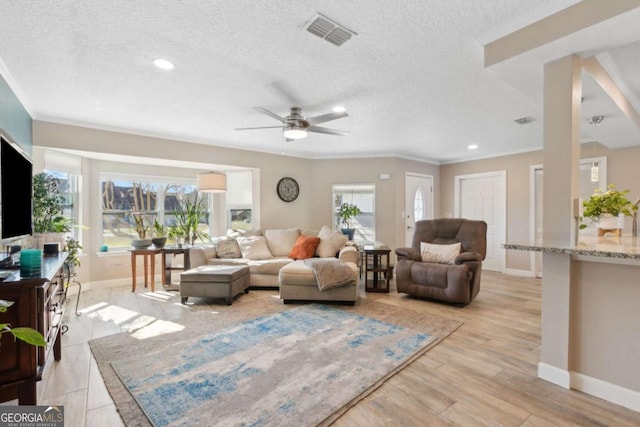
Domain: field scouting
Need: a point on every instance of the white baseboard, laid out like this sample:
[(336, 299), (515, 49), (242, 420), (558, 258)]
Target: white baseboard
[(607, 391), (604, 390), (554, 375), (516, 272)]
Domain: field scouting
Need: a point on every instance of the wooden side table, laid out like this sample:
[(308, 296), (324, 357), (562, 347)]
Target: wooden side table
[(377, 268), (168, 253), (149, 257)]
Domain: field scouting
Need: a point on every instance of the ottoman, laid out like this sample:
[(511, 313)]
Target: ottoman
[(214, 281), (298, 283)]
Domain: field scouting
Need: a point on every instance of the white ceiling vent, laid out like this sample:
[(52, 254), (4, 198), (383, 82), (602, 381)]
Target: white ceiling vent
[(329, 30), (525, 120)]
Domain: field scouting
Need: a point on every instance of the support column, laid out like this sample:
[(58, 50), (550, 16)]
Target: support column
[(562, 99)]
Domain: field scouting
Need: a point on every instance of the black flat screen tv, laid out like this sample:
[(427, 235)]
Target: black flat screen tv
[(16, 192)]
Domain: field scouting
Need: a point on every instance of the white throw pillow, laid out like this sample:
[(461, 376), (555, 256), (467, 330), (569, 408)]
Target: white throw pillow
[(281, 241), (443, 254), (331, 241), (228, 249), (254, 247)]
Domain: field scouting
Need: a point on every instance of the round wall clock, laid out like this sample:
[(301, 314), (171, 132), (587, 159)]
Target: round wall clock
[(288, 189)]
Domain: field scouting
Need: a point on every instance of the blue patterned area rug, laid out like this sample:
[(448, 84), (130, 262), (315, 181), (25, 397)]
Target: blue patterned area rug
[(302, 367)]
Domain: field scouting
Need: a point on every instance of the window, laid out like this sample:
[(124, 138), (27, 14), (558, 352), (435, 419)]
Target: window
[(68, 188), (418, 205), (149, 198), (363, 196), (159, 197)]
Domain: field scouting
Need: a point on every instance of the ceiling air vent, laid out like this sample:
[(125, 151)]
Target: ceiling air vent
[(525, 120), (329, 30)]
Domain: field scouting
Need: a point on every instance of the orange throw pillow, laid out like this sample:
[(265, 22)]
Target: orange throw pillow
[(305, 247)]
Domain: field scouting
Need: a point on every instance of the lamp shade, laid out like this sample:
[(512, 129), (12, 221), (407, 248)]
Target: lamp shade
[(212, 182)]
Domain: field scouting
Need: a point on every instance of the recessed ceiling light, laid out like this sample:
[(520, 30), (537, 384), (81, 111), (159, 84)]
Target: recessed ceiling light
[(339, 109), (163, 64), (473, 147)]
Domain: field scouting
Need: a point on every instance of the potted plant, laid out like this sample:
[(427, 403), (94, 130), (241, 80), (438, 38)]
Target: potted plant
[(49, 223), (142, 228), (159, 234), (346, 212), (606, 208), (176, 233), (188, 215), (72, 248), (28, 335)]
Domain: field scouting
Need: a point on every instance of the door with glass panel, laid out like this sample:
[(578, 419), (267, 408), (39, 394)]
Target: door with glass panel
[(418, 202)]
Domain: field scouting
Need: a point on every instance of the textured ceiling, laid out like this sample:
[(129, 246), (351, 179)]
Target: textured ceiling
[(412, 79)]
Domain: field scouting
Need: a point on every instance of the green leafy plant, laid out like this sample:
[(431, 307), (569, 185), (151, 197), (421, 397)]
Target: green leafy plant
[(612, 202), (159, 230), (346, 212), (28, 335), (48, 205), (72, 247), (188, 215)]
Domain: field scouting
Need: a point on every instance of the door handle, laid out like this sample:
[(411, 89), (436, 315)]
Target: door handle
[(409, 227)]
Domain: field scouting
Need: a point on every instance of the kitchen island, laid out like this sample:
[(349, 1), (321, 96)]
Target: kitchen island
[(591, 323)]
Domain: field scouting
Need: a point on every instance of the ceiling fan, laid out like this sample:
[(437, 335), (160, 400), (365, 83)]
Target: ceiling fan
[(296, 126)]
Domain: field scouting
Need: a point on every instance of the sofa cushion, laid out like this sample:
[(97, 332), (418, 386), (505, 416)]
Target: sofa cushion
[(281, 241), (305, 247), (330, 242), (228, 248), (268, 266), (443, 254), (254, 247)]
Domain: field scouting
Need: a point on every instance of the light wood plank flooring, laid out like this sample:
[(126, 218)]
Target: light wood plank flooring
[(484, 374)]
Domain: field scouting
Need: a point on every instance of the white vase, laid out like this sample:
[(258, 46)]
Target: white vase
[(609, 222)]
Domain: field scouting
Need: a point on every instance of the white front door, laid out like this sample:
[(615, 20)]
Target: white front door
[(483, 196), (418, 202)]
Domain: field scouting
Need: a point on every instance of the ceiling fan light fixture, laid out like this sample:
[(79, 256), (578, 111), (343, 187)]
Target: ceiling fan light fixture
[(163, 64), (295, 132)]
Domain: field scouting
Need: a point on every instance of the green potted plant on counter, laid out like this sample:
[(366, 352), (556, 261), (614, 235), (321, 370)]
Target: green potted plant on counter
[(607, 208)]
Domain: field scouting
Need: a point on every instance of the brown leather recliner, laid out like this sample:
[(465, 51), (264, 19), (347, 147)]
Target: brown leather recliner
[(458, 282)]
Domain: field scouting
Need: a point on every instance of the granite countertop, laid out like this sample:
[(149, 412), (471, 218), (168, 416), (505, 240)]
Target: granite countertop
[(625, 247)]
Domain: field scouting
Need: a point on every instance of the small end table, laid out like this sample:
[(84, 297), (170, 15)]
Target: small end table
[(377, 267), (149, 256)]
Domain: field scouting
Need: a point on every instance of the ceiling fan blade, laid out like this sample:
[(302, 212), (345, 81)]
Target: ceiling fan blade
[(269, 113), (325, 118), (319, 129), (261, 127)]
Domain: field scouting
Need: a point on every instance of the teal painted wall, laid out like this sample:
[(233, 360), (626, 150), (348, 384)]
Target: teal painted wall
[(14, 119)]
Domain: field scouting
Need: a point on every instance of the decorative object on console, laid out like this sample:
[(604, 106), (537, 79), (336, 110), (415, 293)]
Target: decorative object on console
[(607, 209), (288, 189), (30, 263), (212, 182)]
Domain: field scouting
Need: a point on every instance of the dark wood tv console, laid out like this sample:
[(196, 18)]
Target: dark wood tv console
[(39, 304)]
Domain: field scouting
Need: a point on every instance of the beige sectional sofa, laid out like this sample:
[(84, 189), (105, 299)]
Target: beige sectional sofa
[(266, 252)]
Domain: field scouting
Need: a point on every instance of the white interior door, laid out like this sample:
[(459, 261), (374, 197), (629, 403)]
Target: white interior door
[(483, 196), (418, 202)]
